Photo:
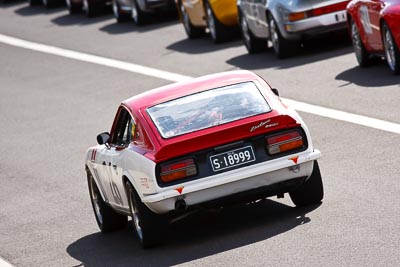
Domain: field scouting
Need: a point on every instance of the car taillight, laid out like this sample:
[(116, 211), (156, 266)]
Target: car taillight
[(330, 9), (178, 170), (284, 142), (318, 11)]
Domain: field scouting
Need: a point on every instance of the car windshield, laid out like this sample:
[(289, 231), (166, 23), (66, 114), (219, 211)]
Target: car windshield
[(207, 109)]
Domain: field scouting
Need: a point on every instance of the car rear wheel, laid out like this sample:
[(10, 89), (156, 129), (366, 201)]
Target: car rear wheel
[(191, 31), (149, 227), (252, 43), (47, 3), (219, 32), (311, 191), (34, 2), (72, 7), (107, 219), (359, 49), (282, 47), (119, 15), (392, 52), (139, 17), (89, 8)]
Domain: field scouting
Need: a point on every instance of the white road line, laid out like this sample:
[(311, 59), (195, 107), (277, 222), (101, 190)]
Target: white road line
[(174, 77), (4, 263), (93, 59), (344, 116)]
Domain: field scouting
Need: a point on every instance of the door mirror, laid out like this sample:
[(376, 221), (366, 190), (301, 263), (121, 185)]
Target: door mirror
[(103, 138), (275, 91)]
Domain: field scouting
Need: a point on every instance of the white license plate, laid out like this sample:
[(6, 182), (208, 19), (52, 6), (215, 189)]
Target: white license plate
[(232, 158)]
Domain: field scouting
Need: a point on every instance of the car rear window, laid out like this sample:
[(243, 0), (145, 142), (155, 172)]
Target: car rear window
[(207, 109)]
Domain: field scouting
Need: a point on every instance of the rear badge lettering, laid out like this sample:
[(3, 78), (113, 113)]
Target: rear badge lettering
[(266, 124)]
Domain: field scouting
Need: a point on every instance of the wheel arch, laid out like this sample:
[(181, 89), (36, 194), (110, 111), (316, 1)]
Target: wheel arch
[(224, 13), (98, 184), (178, 8), (381, 22), (126, 178)]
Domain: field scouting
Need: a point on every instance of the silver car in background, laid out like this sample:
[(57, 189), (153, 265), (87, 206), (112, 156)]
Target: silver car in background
[(287, 22), (139, 10)]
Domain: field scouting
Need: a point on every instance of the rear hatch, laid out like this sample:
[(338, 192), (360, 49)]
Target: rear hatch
[(220, 130)]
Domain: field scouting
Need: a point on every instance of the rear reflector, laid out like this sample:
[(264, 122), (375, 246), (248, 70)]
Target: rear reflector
[(178, 170), (284, 142)]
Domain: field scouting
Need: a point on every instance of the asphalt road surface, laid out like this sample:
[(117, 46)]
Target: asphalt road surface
[(52, 108)]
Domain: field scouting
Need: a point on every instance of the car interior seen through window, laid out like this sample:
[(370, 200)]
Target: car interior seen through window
[(123, 131)]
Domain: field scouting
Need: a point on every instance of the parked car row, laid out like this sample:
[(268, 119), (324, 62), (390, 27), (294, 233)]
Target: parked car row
[(374, 25)]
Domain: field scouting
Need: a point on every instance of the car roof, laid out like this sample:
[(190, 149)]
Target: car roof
[(180, 89)]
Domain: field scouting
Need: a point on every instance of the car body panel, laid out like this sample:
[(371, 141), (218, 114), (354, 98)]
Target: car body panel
[(224, 10), (368, 17), (97, 3), (148, 6), (196, 12), (256, 13), (112, 165)]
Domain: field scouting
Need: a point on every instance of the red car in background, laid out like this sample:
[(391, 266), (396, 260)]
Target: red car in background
[(374, 26)]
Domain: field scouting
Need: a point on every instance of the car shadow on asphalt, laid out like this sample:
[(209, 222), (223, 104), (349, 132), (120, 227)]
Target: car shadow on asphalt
[(377, 74), (128, 26), (198, 236), (81, 19), (203, 44), (39, 10), (312, 50), (10, 3)]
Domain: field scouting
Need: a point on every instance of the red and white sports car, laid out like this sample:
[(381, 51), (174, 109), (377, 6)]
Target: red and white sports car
[(374, 26), (195, 144)]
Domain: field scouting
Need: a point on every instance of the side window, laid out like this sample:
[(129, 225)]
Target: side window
[(122, 135)]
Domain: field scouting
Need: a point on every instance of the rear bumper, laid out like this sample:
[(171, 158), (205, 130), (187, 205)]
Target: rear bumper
[(151, 5), (234, 182), (146, 5), (315, 25)]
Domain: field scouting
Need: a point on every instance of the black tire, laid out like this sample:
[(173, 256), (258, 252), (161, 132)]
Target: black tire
[(361, 53), (89, 8), (219, 33), (311, 191), (138, 16), (252, 43), (119, 15), (282, 47), (34, 2), (191, 31), (149, 226), (72, 7), (48, 3), (392, 52), (107, 219)]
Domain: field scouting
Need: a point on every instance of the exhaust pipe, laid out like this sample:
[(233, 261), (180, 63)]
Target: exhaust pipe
[(180, 205)]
